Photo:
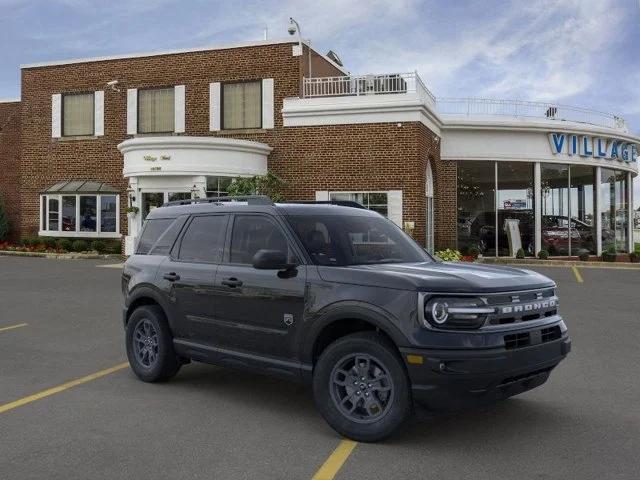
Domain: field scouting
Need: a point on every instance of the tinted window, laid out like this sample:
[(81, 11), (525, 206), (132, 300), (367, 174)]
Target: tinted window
[(152, 231), (167, 239), (204, 239), (341, 240), (252, 233)]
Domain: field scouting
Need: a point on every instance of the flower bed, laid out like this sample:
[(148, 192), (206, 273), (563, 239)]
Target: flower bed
[(49, 245)]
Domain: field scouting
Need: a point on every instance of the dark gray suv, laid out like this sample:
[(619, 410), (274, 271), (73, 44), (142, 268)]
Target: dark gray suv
[(339, 297)]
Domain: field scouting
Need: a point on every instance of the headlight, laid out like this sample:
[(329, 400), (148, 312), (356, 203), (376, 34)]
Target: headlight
[(456, 312)]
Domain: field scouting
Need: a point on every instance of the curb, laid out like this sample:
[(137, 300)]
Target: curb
[(60, 256), (560, 263)]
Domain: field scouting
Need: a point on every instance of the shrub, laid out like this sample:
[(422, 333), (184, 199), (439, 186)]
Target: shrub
[(29, 241), (116, 248), (610, 254), (543, 254), (474, 252), (79, 246), (449, 255), (64, 244), (634, 257), (4, 221), (584, 256), (520, 253), (49, 242), (98, 246)]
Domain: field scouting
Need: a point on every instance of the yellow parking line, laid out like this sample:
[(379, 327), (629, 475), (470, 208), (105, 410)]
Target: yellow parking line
[(576, 272), (335, 461), (60, 388), (11, 327)]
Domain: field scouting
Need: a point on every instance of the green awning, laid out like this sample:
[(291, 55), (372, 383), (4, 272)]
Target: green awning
[(80, 187)]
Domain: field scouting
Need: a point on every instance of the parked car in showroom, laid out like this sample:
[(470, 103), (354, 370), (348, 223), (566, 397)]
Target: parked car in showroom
[(338, 297)]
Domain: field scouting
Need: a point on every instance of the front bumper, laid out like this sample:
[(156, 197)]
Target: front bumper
[(455, 379)]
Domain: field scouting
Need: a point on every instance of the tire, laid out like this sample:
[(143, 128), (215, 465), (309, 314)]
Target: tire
[(365, 411), (152, 358)]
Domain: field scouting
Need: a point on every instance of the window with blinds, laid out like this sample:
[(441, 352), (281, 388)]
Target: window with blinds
[(242, 105), (77, 114), (156, 110)]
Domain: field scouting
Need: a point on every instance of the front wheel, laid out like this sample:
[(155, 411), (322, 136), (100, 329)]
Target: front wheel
[(150, 345), (361, 387)]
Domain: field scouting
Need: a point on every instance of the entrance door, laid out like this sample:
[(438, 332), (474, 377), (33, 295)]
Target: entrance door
[(257, 310), (151, 200)]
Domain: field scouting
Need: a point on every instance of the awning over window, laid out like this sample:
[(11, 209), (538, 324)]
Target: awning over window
[(80, 187)]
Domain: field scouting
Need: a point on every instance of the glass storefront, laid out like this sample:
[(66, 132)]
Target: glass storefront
[(501, 197), (614, 211)]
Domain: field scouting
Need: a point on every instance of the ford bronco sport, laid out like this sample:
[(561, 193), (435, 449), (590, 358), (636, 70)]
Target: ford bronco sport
[(339, 297)]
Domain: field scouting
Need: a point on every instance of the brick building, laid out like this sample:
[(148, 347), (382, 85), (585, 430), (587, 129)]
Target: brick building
[(91, 137)]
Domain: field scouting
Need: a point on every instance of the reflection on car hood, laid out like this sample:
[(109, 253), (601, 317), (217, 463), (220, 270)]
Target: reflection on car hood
[(447, 277)]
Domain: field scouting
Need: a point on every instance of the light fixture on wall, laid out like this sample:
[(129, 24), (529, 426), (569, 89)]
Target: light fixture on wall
[(294, 27), (132, 197), (194, 191)]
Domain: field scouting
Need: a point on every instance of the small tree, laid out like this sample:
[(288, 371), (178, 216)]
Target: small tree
[(270, 185), (4, 221)]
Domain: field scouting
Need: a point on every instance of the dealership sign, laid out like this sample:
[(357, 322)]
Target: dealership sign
[(590, 146)]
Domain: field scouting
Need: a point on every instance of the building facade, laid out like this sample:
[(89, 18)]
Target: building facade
[(93, 138)]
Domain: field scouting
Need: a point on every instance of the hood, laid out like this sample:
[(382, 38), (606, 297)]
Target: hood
[(449, 277)]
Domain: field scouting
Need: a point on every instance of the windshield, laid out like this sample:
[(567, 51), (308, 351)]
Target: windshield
[(342, 240)]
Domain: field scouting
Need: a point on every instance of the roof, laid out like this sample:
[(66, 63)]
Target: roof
[(81, 186), (177, 51)]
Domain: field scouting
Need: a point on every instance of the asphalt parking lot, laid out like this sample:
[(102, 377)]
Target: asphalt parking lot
[(60, 322)]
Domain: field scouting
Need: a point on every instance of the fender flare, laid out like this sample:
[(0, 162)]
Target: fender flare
[(344, 311), (147, 291)]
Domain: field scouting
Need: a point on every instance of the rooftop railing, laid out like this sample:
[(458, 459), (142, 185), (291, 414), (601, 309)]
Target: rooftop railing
[(478, 107), (392, 83), (405, 83)]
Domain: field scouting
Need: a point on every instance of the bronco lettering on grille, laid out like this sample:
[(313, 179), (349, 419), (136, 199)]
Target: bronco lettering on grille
[(528, 307)]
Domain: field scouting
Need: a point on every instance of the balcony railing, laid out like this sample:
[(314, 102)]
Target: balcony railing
[(392, 83), (478, 107), (411, 83)]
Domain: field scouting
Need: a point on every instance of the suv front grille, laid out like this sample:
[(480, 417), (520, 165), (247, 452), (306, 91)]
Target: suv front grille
[(522, 306), (524, 339)]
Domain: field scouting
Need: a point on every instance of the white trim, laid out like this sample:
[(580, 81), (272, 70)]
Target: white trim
[(267, 103), (179, 108), (537, 208), (176, 52), (598, 212), (394, 206), (56, 115), (215, 109), (132, 111), (630, 220), (98, 113), (47, 233), (10, 100), (322, 196)]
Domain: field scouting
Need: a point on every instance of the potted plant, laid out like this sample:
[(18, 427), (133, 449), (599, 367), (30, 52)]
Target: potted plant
[(543, 254), (132, 212)]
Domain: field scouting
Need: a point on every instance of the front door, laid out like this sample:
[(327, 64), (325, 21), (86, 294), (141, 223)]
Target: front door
[(189, 274), (258, 311)]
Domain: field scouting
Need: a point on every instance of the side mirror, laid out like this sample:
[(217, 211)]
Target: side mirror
[(271, 260)]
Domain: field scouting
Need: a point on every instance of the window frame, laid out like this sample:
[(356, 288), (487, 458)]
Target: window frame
[(174, 254), (237, 82), (367, 192), (93, 114), (158, 132), (77, 233)]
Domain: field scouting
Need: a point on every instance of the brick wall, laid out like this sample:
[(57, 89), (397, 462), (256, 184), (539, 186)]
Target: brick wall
[(340, 157), (9, 160)]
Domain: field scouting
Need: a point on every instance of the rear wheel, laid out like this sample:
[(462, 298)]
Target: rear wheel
[(150, 345), (361, 387)]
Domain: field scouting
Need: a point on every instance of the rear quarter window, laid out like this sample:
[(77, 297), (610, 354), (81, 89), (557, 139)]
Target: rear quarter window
[(153, 230)]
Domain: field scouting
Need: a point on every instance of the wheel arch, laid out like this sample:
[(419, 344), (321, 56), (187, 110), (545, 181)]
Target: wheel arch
[(142, 296)]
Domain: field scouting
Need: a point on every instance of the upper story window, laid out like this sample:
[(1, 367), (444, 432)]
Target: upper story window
[(242, 105), (78, 114), (156, 110)]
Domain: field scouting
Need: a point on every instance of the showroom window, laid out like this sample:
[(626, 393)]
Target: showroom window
[(78, 114), (156, 110), (80, 208), (477, 207), (516, 217), (241, 105), (614, 210), (376, 201)]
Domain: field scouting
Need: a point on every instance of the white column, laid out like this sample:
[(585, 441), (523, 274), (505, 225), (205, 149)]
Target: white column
[(630, 210), (134, 223), (598, 216), (537, 208)]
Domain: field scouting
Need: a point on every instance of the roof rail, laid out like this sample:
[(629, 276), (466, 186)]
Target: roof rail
[(250, 199), (341, 203)]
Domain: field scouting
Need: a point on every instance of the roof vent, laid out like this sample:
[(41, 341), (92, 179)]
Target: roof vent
[(334, 57)]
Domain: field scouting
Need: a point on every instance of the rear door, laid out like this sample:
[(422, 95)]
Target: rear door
[(189, 273), (258, 311)]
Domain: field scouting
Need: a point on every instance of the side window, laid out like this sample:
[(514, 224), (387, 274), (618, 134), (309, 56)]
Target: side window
[(152, 231), (254, 232), (204, 239), (168, 238)]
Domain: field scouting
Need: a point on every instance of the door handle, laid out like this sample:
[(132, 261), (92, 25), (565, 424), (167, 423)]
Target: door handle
[(232, 282), (171, 276)]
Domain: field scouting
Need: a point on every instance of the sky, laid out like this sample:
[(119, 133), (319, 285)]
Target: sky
[(577, 52)]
